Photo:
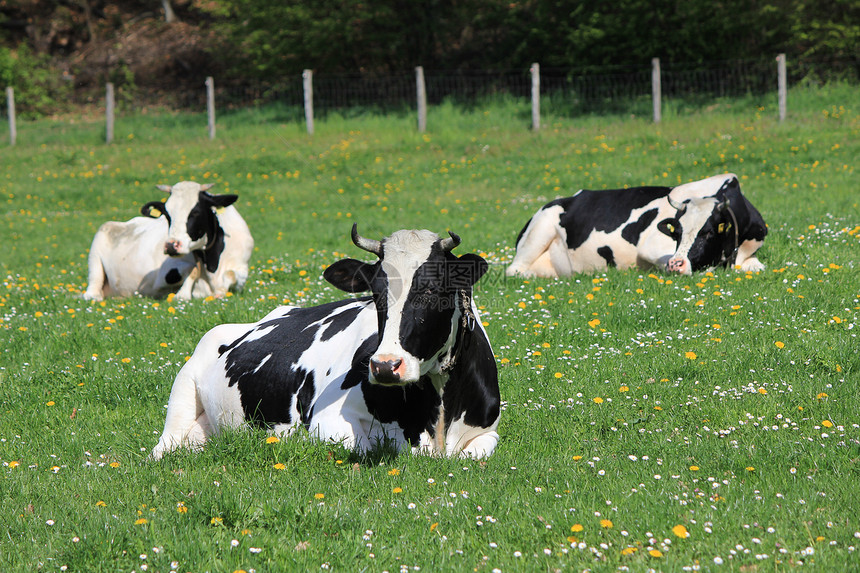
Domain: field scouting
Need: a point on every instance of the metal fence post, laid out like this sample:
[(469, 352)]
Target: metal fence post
[(421, 92), (782, 87), (308, 84), (109, 112), (535, 70), (210, 105), (10, 106), (656, 89)]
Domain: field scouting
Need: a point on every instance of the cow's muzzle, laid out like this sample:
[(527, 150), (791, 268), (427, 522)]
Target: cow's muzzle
[(680, 266), (387, 369), (171, 248)]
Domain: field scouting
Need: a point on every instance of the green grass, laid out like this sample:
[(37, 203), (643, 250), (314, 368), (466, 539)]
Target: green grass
[(724, 402)]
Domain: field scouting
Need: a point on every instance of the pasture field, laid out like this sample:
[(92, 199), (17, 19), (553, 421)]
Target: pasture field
[(703, 423)]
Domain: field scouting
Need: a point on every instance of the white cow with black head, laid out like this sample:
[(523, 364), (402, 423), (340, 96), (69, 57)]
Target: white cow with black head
[(409, 365), (195, 244), (683, 229)]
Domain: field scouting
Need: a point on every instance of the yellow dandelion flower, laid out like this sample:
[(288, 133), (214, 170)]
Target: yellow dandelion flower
[(558, 374), (598, 400), (624, 389), (827, 424), (576, 527), (572, 539), (521, 304), (628, 551), (606, 523), (690, 355), (319, 496), (50, 403), (273, 440), (681, 531), (397, 490), (216, 521), (394, 472), (594, 322), (762, 391), (694, 468), (279, 466), (750, 469), (655, 553), (822, 395), (180, 507), (434, 526), (141, 521), (780, 344), (577, 458)]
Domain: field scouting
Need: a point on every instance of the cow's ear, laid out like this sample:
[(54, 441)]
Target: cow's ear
[(468, 269), (216, 201), (350, 275), (154, 209), (164, 188)]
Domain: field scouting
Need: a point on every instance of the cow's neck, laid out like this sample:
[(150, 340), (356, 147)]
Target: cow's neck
[(211, 253)]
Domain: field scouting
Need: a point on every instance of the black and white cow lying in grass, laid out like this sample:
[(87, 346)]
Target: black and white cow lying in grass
[(682, 229), (409, 365), (199, 247)]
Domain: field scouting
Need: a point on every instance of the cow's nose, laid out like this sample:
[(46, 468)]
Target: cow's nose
[(677, 266), (171, 248), (385, 370)]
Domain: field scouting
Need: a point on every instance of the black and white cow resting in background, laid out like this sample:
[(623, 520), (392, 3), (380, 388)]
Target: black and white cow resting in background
[(199, 247), (409, 365), (682, 229)]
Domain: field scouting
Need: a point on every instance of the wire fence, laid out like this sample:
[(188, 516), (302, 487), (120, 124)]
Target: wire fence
[(563, 91)]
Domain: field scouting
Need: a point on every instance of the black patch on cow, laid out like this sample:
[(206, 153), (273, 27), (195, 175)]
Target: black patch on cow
[(203, 220), (360, 368), (606, 252), (590, 211), (633, 231), (472, 389), (173, 276), (267, 388), (415, 408), (339, 322)]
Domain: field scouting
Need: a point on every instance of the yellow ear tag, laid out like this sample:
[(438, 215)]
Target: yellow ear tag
[(671, 228), (219, 210), (721, 228), (154, 213)]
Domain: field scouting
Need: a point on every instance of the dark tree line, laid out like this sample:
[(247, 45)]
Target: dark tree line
[(277, 37)]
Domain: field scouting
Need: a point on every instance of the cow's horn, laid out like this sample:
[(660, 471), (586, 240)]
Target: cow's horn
[(448, 244), (369, 245), (678, 206)]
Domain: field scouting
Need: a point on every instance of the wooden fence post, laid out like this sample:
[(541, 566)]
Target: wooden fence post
[(782, 87), (210, 105), (109, 113), (10, 106), (535, 70), (656, 89), (308, 83), (421, 91)]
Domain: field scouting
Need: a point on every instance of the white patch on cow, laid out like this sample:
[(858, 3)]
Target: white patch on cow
[(707, 187), (404, 251), (262, 363)]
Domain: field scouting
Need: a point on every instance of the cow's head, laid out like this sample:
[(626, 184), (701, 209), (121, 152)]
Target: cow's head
[(191, 216), (420, 290), (704, 231)]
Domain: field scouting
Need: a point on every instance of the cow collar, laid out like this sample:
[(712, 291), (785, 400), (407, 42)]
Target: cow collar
[(467, 322), (731, 262)]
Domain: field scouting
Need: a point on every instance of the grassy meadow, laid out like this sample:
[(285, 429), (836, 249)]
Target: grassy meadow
[(704, 423)]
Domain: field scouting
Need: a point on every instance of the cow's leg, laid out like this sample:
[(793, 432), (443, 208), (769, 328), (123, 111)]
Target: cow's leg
[(480, 446), (186, 424), (96, 277), (746, 259), (532, 250), (187, 290)]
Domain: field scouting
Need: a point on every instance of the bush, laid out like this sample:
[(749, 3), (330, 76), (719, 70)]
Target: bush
[(39, 87)]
